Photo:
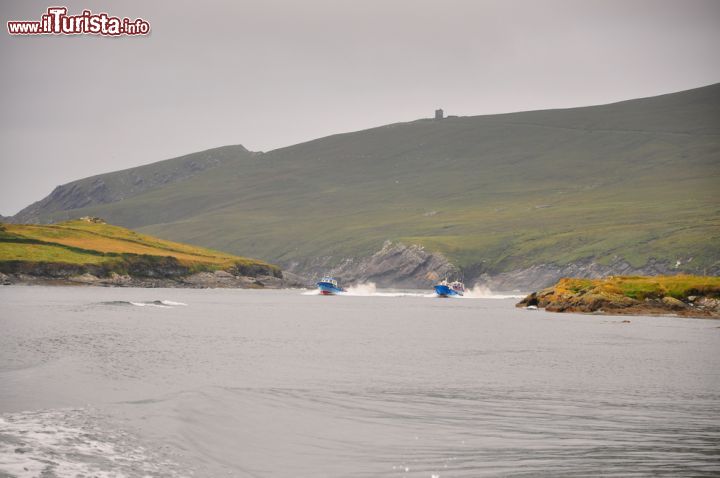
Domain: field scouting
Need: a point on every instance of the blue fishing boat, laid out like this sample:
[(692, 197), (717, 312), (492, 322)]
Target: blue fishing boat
[(450, 289), (329, 286)]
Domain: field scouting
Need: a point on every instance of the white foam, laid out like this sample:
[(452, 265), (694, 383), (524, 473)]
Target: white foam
[(484, 292), (163, 304), (366, 289), (369, 289), (170, 302), (149, 304), (69, 443)]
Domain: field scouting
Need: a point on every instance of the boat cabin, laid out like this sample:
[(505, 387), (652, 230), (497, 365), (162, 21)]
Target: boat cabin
[(458, 286)]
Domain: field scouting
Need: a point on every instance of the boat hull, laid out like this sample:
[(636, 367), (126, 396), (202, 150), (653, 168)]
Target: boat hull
[(446, 291), (327, 288)]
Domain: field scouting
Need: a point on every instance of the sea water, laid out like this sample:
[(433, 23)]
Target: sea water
[(177, 382)]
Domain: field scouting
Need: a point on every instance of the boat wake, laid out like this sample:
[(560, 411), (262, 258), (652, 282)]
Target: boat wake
[(369, 289), (483, 292), (71, 442)]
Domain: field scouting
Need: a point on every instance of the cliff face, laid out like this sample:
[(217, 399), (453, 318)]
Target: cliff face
[(412, 266), (394, 265)]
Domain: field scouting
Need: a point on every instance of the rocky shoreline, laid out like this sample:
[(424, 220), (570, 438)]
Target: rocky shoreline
[(198, 280), (620, 296)]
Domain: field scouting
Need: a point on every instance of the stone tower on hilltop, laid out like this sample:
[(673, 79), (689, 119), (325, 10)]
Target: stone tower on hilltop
[(439, 114)]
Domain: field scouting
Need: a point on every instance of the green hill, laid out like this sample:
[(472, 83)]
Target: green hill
[(91, 246), (120, 185), (637, 180)]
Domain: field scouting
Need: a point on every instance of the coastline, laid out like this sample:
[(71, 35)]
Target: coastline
[(680, 296), (89, 251), (198, 280)]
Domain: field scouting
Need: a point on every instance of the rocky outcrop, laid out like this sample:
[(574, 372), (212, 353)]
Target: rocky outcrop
[(93, 220), (673, 304), (4, 279), (609, 296), (254, 270), (224, 279), (394, 265)]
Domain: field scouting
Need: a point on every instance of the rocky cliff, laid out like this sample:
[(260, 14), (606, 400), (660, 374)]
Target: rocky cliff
[(412, 266), (394, 265)]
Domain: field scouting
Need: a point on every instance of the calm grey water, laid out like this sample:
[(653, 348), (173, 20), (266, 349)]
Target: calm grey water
[(105, 382)]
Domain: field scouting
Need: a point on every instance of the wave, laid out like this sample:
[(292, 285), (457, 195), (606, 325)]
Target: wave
[(165, 304), (172, 303)]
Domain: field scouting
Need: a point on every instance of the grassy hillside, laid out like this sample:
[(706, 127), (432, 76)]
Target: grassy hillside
[(120, 185), (636, 180), (82, 243), (640, 288)]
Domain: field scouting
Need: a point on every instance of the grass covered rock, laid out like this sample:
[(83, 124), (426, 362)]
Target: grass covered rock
[(687, 295)]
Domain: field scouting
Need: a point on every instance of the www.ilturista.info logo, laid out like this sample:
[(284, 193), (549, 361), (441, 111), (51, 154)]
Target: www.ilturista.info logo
[(57, 22)]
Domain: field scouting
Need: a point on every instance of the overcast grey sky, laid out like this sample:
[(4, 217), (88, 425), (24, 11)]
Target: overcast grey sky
[(269, 73)]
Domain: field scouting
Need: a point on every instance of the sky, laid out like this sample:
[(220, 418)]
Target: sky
[(269, 73)]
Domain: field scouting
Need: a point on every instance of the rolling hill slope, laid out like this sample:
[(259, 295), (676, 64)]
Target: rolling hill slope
[(120, 185), (637, 181), (83, 245)]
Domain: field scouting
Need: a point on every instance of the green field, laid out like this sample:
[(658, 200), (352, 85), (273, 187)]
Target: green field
[(81, 242), (636, 180), (640, 288)]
